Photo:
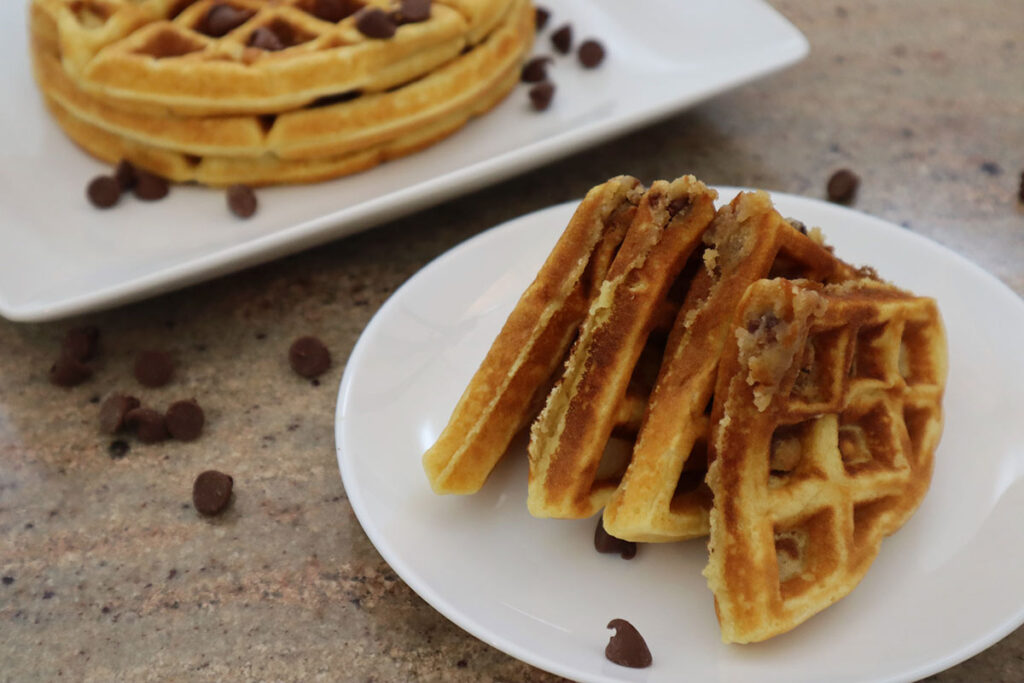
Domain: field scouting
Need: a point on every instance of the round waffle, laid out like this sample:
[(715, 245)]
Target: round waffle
[(331, 136), (165, 56)]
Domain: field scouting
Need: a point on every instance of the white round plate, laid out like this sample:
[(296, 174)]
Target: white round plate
[(943, 588)]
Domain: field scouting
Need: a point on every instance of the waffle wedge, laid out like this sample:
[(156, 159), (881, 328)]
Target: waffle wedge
[(662, 497), (569, 437), (507, 389), (826, 416)]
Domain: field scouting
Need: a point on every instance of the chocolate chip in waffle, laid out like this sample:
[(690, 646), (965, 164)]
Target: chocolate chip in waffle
[(506, 391), (826, 415), (662, 497), (569, 437)]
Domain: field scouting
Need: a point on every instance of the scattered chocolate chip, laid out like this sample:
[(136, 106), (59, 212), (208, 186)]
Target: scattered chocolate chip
[(69, 372), (125, 175), (113, 410), (7, 580), (48, 594), (241, 200), (265, 39), (103, 191), (541, 17), (842, 186), (149, 186), (309, 357), (375, 23), (606, 543), (95, 398), (797, 225), (413, 11), (211, 492), (462, 663), (171, 574), (222, 19), (148, 424), (81, 343), (536, 70), (541, 94), (562, 39), (627, 646), (1020, 192), (118, 448), (991, 168), (154, 368), (184, 420), (591, 54)]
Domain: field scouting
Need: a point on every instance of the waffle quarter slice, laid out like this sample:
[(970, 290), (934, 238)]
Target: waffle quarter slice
[(568, 439), (826, 417)]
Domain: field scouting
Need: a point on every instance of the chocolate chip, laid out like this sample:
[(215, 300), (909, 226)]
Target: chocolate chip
[(606, 543), (69, 372), (591, 54), (797, 225), (627, 646), (211, 492), (309, 357), (118, 448), (375, 23), (185, 420), (536, 70), (991, 168), (7, 580), (125, 174), (541, 16), (1020, 192), (265, 39), (330, 10), (148, 424), (562, 39), (103, 191), (81, 343), (541, 94), (241, 200), (149, 186), (113, 411), (154, 368), (678, 205), (413, 11), (842, 186), (222, 19)]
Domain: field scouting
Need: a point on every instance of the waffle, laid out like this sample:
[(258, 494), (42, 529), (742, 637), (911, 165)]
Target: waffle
[(313, 137), (157, 56), (662, 497), (569, 438), (826, 416), (505, 392)]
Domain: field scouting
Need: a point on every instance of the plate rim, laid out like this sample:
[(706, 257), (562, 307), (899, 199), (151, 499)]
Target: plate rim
[(791, 47), (355, 495)]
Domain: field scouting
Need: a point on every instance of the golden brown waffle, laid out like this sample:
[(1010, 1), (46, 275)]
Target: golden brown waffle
[(352, 131), (747, 241), (827, 413), (326, 130), (505, 393), (570, 435), (159, 56)]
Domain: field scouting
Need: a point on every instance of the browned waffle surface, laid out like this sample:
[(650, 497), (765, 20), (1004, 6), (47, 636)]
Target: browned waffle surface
[(826, 416), (504, 394), (170, 55), (569, 437), (747, 241)]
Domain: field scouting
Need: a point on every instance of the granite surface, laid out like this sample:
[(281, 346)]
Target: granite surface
[(109, 574)]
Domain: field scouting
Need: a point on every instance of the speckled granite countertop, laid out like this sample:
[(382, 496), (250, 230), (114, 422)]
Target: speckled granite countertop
[(107, 571)]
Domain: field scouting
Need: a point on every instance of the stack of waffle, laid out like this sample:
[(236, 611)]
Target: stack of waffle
[(272, 91), (768, 394)]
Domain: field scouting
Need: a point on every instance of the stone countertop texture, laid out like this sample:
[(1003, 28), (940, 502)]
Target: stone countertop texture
[(109, 574)]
